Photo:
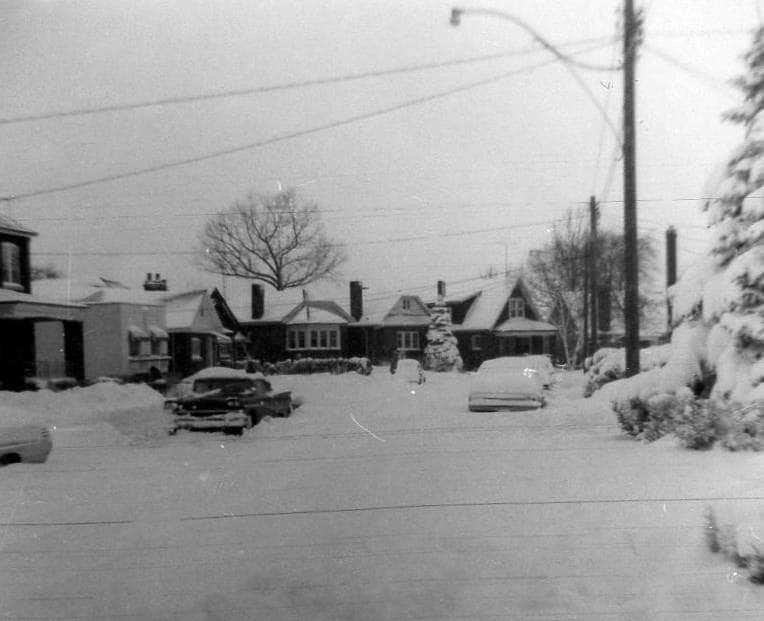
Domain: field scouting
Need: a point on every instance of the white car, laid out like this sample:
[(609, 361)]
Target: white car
[(508, 383), (544, 368)]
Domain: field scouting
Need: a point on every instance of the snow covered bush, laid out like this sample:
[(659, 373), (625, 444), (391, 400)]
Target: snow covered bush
[(608, 363), (442, 350), (305, 366), (696, 422), (723, 539), (744, 428)]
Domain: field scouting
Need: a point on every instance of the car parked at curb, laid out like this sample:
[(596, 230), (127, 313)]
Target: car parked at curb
[(30, 443), (220, 398), (507, 383)]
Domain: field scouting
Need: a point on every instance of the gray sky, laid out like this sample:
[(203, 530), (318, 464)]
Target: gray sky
[(479, 172)]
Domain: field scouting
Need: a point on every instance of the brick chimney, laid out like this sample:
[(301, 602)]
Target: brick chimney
[(154, 283), (356, 299), (258, 301), (441, 291)]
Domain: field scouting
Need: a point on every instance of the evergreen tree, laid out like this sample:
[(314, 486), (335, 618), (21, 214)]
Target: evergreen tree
[(442, 351), (725, 294)]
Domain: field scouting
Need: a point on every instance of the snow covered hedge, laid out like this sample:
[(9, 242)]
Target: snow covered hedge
[(303, 366), (608, 363)]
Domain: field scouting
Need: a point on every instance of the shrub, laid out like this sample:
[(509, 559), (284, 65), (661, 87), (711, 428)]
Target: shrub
[(743, 428), (696, 423), (305, 366), (647, 419), (722, 539)]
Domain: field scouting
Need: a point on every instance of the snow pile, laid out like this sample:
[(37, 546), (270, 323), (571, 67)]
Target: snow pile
[(47, 407), (608, 364), (442, 351)]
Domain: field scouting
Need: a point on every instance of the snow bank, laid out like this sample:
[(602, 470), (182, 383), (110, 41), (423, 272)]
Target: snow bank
[(75, 405), (608, 364)]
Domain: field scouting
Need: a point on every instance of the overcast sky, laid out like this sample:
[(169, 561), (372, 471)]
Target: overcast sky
[(480, 173)]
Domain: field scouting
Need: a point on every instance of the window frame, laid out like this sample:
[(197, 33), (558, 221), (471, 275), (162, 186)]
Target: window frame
[(516, 307), (319, 338), (407, 340), (11, 265), (476, 342)]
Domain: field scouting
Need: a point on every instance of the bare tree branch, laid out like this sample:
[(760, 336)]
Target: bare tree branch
[(276, 239)]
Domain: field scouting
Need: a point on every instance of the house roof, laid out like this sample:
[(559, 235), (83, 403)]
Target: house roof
[(526, 326), (20, 305), (9, 225), (182, 309), (317, 312), (489, 302)]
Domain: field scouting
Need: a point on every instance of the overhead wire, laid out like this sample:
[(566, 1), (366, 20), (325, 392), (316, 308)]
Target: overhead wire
[(285, 136), (349, 77)]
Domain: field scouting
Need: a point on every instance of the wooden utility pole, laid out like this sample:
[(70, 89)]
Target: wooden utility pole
[(670, 269), (593, 281), (631, 29), (587, 269)]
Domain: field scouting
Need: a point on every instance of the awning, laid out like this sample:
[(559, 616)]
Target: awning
[(158, 333), (137, 333)]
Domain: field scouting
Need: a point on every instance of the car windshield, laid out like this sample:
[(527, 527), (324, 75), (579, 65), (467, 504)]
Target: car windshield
[(226, 384)]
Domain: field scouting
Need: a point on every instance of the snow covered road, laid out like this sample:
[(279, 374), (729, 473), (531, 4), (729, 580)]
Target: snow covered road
[(375, 500)]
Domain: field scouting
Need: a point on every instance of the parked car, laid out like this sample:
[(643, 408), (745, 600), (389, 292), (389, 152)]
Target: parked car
[(25, 443), (543, 366), (507, 383), (226, 399), (410, 370)]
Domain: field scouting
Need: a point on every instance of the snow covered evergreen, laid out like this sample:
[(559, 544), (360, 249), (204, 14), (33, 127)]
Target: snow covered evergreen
[(724, 295), (442, 351)]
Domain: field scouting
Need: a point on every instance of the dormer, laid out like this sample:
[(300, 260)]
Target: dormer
[(14, 255)]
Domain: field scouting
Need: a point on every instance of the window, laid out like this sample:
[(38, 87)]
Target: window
[(196, 348), (406, 303), (476, 342), (313, 338), (407, 339), (158, 346), (134, 346), (11, 260), (516, 307)]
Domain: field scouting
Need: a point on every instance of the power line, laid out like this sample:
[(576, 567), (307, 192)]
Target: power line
[(282, 137), (343, 245), (712, 80), (182, 99)]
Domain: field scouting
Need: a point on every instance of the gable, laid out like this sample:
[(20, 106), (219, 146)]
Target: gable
[(407, 310)]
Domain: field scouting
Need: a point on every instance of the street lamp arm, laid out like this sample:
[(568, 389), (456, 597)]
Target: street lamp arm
[(567, 61), (456, 15)]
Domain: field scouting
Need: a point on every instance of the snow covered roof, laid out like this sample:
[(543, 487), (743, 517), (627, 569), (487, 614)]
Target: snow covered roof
[(112, 295), (525, 325), (277, 305), (9, 225), (182, 309)]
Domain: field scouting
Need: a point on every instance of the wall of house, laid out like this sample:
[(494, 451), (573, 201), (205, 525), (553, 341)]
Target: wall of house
[(267, 341), (184, 362), (103, 336), (143, 316), (387, 341)]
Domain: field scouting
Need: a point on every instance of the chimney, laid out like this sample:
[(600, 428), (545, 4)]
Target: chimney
[(670, 267), (441, 291), (356, 299), (154, 284), (258, 301)]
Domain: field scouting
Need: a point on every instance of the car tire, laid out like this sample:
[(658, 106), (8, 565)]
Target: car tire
[(10, 458), (254, 417)]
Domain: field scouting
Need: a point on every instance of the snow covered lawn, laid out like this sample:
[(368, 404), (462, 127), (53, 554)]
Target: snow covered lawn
[(376, 499)]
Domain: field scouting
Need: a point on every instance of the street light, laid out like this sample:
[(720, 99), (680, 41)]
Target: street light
[(631, 36)]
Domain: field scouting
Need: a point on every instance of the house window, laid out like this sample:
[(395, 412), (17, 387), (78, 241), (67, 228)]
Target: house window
[(406, 303), (196, 348), (158, 347), (312, 338), (11, 258), (516, 307), (476, 342), (407, 339)]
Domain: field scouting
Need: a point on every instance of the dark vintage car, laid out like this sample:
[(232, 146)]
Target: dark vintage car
[(25, 443), (227, 400)]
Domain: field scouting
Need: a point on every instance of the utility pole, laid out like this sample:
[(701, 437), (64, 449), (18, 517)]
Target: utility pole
[(631, 28), (593, 281), (587, 269), (670, 268)]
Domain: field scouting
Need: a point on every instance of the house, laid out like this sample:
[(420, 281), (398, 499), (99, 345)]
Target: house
[(291, 324), (499, 320), (394, 323), (24, 315), (148, 332)]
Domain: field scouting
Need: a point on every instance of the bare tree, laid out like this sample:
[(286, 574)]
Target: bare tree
[(556, 276), (276, 239)]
